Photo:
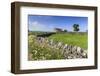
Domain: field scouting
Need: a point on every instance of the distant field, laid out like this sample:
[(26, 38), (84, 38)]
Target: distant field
[(77, 39)]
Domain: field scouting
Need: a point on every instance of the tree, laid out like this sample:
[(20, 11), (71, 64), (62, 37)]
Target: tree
[(65, 30), (76, 27)]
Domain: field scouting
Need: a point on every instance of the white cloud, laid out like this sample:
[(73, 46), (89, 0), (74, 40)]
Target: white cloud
[(36, 26), (34, 23)]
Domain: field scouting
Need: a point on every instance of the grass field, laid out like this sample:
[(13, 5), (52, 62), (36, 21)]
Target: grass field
[(72, 39), (42, 51)]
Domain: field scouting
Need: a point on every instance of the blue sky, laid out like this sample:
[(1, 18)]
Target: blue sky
[(48, 23)]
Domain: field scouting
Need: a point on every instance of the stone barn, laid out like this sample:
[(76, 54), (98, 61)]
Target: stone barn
[(58, 30)]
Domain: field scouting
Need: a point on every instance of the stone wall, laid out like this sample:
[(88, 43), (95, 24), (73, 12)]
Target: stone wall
[(68, 51)]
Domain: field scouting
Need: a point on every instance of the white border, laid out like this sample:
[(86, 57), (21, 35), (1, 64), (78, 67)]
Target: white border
[(25, 64)]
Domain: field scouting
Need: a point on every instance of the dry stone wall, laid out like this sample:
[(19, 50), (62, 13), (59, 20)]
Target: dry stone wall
[(68, 51)]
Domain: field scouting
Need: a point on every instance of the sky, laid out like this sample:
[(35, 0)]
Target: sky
[(48, 23)]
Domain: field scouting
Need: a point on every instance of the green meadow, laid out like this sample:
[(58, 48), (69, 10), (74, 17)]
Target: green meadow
[(42, 51), (78, 39)]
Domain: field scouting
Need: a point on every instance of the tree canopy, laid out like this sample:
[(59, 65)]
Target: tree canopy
[(76, 27)]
